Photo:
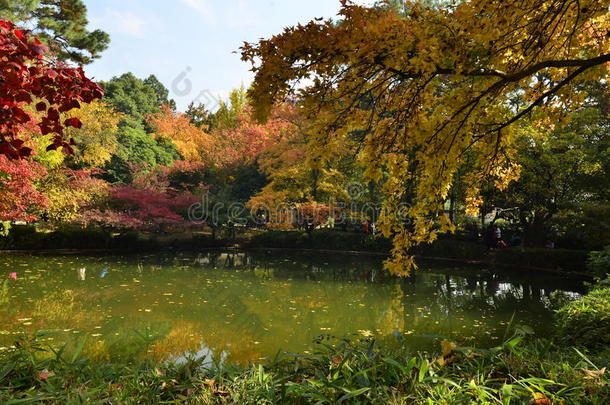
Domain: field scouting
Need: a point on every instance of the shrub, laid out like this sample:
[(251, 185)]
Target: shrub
[(72, 237), (585, 228), (453, 248), (324, 239), (21, 237), (599, 263), (552, 259), (279, 239), (586, 321)]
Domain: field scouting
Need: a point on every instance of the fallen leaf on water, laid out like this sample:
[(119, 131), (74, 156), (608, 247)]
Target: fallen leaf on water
[(365, 333), (447, 347)]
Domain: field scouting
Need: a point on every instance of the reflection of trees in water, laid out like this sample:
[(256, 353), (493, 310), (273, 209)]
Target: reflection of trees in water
[(435, 303), (484, 302), (252, 303), (299, 265)]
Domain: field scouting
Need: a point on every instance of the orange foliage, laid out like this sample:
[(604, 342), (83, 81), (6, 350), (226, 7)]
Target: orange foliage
[(193, 143), (248, 139)]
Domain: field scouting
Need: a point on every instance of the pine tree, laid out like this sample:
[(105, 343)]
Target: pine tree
[(61, 25)]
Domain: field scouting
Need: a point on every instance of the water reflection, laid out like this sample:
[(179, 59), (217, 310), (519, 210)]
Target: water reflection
[(244, 306), (205, 357), (81, 274)]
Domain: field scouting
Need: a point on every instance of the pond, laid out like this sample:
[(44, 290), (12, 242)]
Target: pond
[(244, 306)]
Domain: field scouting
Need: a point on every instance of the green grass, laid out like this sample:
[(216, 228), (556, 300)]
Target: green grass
[(521, 371), (586, 321)]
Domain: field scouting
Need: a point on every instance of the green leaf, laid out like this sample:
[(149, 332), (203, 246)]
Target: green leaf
[(28, 400), (6, 370), (79, 349), (513, 342), (353, 394)]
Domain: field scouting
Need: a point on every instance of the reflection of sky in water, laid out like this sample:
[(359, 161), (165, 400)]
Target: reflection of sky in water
[(248, 306), (205, 357)]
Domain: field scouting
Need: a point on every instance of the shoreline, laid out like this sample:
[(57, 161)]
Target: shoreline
[(492, 263)]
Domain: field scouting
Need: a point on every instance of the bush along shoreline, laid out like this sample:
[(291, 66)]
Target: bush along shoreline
[(567, 261), (522, 370), (446, 247)]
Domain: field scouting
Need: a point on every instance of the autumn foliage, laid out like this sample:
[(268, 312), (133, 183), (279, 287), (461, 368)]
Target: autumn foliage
[(19, 198), (420, 90), (248, 139), (70, 192), (27, 78), (148, 209), (192, 142)]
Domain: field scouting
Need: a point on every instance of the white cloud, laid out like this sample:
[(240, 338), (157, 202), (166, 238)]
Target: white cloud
[(240, 15), (202, 7), (121, 23), (132, 25)]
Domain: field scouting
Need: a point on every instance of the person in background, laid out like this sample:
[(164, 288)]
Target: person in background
[(498, 233), (365, 226), (372, 228)]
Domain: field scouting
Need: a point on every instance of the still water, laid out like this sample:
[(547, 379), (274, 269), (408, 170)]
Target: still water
[(243, 306)]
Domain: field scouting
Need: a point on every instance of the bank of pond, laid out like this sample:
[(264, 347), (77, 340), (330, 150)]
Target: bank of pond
[(266, 326), (454, 247)]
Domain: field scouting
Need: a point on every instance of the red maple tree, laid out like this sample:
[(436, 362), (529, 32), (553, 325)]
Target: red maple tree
[(19, 198), (150, 209), (27, 78)]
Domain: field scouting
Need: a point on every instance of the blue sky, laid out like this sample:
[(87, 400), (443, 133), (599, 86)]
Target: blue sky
[(193, 40)]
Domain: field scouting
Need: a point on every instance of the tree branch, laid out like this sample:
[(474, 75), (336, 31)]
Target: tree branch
[(514, 77)]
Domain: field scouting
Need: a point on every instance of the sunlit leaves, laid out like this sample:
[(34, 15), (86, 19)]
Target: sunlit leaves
[(19, 198), (192, 142), (27, 77), (421, 88), (96, 140), (70, 192)]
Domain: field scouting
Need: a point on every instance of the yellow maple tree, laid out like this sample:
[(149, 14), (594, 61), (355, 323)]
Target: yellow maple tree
[(96, 141), (418, 89)]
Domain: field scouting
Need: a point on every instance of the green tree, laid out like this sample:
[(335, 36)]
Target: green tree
[(565, 172), (229, 111), (60, 24), (135, 97), (138, 149), (161, 91), (200, 116), (225, 117)]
